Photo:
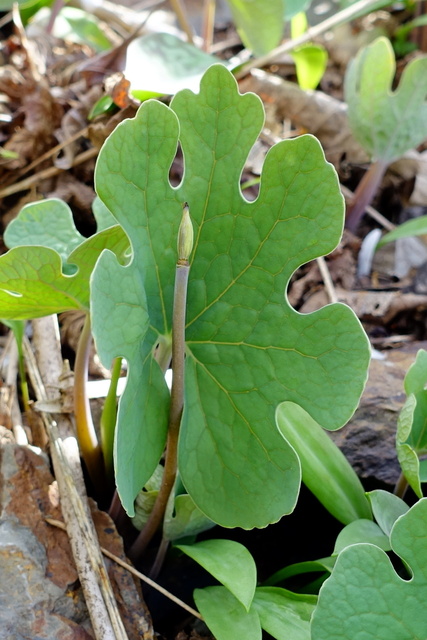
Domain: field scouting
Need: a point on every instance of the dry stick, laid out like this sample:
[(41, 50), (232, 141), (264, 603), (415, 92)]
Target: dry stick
[(102, 606), (135, 572), (83, 133), (46, 173), (181, 14), (185, 243), (327, 280), (208, 24), (313, 32)]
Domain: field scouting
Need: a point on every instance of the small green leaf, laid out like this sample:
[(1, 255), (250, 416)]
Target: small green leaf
[(105, 104), (325, 469), (415, 227), (225, 616), (324, 565), (187, 519), (361, 531), (411, 438), (230, 563), (386, 123), (387, 508), (365, 598), (283, 614), (168, 64), (258, 23), (311, 61), (416, 376)]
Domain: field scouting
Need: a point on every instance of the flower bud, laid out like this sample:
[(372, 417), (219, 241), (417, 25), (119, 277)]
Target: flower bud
[(185, 235)]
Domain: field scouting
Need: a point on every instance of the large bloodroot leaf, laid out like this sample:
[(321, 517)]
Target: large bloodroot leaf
[(247, 350)]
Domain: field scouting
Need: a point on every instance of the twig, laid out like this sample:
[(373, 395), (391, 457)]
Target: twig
[(46, 173), (135, 572), (80, 134), (208, 24), (103, 611), (181, 14), (327, 280)]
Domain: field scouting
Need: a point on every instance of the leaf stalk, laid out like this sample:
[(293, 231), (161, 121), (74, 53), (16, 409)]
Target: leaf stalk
[(86, 435), (185, 245)]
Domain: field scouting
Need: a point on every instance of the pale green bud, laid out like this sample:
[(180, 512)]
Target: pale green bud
[(185, 235)]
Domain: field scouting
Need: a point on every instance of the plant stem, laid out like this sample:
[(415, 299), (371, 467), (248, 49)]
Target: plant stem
[(108, 419), (160, 558), (364, 194), (175, 412), (401, 486), (86, 435)]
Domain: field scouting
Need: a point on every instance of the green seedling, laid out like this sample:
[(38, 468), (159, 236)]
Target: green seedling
[(47, 271), (411, 438), (310, 59), (240, 349), (240, 608), (386, 123), (366, 598)]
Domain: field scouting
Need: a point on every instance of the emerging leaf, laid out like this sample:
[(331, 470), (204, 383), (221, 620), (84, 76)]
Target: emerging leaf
[(386, 123), (246, 348), (411, 437)]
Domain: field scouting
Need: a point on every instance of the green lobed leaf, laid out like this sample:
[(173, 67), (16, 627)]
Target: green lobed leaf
[(325, 469), (415, 227), (32, 283), (230, 563), (258, 23), (247, 349), (283, 614), (365, 598), (361, 531), (225, 615), (386, 123), (387, 508)]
